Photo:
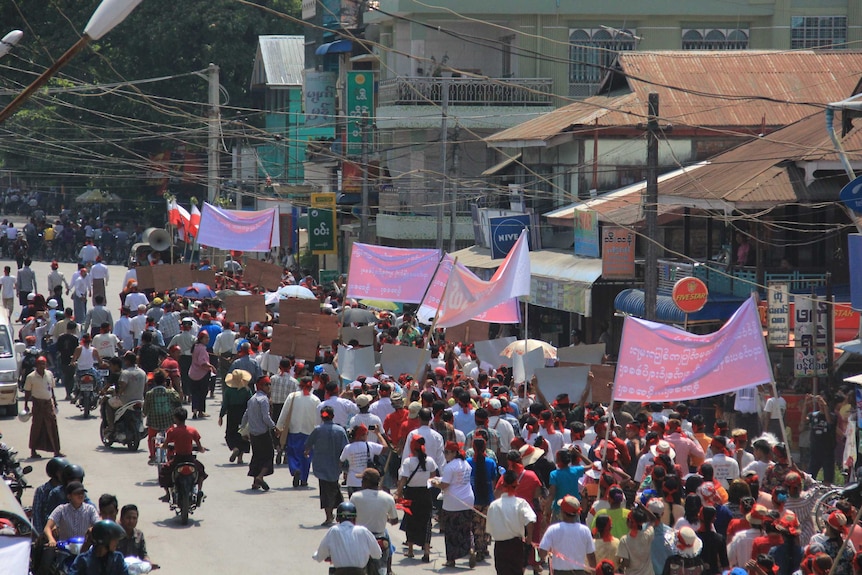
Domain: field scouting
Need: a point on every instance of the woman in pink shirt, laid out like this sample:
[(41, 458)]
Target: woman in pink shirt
[(200, 372)]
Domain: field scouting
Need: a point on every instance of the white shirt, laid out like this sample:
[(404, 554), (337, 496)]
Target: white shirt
[(304, 416), (7, 284), (343, 409), (131, 274), (421, 477), (348, 545), (225, 342), (88, 253), (373, 508), (123, 330), (775, 409), (739, 550), (381, 408), (568, 545), (508, 516), (106, 344), (40, 387), (759, 467), (368, 420), (134, 299), (433, 444), (726, 469), (99, 271), (645, 461), (137, 324), (81, 286), (458, 496), (746, 400), (504, 429), (358, 456)]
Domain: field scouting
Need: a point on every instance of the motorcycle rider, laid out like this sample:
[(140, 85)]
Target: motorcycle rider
[(40, 496), (130, 387), (347, 545), (182, 437), (102, 558), (86, 358), (159, 403), (71, 519)]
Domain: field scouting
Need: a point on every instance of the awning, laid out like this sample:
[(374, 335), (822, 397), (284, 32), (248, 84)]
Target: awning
[(852, 346), (559, 279), (717, 308), (501, 166), (337, 47)]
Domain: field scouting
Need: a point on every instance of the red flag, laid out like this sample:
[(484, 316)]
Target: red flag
[(194, 221)]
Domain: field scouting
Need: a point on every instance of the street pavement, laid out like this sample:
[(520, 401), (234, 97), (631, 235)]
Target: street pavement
[(237, 530)]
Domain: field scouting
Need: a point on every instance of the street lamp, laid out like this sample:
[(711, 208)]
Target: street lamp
[(9, 40), (104, 19)]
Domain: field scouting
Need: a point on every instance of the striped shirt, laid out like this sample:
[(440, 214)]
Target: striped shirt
[(282, 386), (73, 522)]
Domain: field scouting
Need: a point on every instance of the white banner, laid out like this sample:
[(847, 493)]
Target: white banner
[(239, 230)]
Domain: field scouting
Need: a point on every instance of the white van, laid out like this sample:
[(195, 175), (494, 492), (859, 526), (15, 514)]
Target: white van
[(10, 356)]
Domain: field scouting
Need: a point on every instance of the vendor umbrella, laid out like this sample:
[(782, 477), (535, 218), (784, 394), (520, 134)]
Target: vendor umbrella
[(380, 304), (299, 292), (518, 347), (229, 292), (196, 291)]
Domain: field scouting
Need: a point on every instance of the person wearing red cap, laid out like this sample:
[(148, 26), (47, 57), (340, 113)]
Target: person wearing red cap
[(569, 543), (831, 539)]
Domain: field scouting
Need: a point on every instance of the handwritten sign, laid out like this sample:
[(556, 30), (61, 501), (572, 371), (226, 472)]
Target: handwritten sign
[(489, 350), (398, 359), (166, 278), (258, 273), (144, 275), (244, 308), (289, 308), (298, 342), (207, 277), (467, 331), (324, 325), (363, 335), (584, 354), (556, 380), (355, 362)]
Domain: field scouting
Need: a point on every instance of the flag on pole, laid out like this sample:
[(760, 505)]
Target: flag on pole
[(194, 221), (466, 296)]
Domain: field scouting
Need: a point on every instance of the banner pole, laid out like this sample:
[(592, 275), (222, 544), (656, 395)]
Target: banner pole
[(526, 336), (437, 313), (428, 288)]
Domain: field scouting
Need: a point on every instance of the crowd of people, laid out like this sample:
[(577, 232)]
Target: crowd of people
[(500, 470)]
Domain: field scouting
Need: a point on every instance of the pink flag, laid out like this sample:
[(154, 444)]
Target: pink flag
[(506, 312), (390, 274), (248, 231), (467, 296), (659, 362), (194, 221)]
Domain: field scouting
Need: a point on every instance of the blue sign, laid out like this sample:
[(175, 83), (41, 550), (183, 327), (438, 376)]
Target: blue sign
[(505, 232), (851, 195), (854, 254)]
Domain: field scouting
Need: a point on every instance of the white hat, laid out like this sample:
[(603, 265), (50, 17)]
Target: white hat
[(52, 303), (663, 447), (31, 296)]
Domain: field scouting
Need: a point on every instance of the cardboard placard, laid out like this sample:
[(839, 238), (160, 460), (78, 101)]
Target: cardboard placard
[(289, 308), (602, 383), (524, 366), (98, 289), (583, 354), (244, 308), (398, 359), (258, 273), (468, 331), (556, 380), (489, 350), (144, 275), (364, 335), (298, 342), (166, 278), (207, 277), (325, 325), (355, 362)]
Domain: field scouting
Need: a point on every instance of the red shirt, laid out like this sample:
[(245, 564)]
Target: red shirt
[(764, 543), (408, 426), (735, 526), (392, 425), (171, 366), (183, 437), (527, 484)]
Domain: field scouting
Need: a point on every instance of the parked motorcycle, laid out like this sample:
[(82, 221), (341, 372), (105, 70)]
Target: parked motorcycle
[(128, 425), (185, 495), (11, 470)]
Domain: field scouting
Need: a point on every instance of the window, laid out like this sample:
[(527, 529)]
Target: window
[(592, 51), (818, 32), (715, 39)]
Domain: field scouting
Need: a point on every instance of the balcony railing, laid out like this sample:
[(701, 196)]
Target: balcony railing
[(423, 90), (737, 282)]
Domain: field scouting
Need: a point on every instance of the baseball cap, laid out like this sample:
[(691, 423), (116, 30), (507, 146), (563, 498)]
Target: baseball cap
[(413, 410), (74, 487)]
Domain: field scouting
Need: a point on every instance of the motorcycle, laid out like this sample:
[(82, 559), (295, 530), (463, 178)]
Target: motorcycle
[(128, 425), (185, 496), (58, 561), (28, 364), (12, 472), (87, 398)]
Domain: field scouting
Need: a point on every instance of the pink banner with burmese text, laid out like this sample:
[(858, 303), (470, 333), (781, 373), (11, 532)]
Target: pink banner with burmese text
[(256, 231), (390, 274), (506, 312), (659, 362)]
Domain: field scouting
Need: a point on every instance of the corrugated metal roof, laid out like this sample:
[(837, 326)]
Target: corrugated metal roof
[(752, 84), (765, 170), (280, 61), (556, 264)]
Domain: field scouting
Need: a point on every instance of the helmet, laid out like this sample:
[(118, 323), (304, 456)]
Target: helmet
[(318, 369), (346, 512), (55, 466), (105, 531), (72, 471)]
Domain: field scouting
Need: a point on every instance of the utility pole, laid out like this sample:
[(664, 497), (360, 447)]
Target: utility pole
[(213, 136), (456, 162), (444, 140), (651, 211), (364, 215)]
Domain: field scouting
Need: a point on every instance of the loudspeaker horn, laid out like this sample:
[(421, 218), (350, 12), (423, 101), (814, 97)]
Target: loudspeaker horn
[(158, 238)]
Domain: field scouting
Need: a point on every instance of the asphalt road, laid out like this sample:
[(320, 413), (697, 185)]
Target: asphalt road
[(237, 530)]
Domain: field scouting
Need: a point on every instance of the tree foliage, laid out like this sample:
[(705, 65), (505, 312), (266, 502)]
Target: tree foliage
[(103, 137)]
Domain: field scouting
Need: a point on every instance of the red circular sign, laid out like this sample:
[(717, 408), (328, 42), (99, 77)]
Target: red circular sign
[(689, 295)]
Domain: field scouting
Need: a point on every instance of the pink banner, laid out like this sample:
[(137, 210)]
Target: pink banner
[(506, 312), (390, 274), (255, 231), (662, 363), (467, 296)]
